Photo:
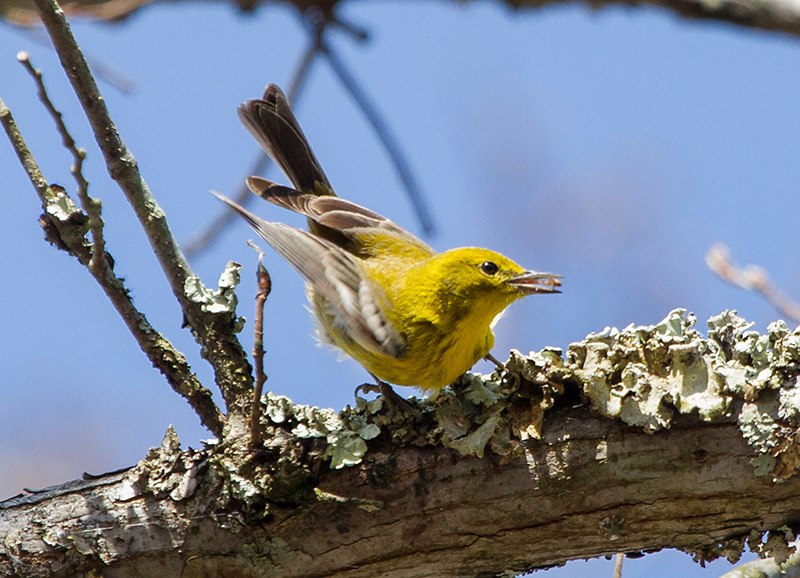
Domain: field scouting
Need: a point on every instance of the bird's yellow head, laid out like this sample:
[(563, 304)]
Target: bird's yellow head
[(473, 283), (478, 274)]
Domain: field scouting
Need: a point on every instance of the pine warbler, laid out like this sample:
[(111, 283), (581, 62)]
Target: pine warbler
[(409, 315)]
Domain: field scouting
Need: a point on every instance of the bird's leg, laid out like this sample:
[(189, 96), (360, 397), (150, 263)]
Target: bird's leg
[(387, 392), (490, 357)]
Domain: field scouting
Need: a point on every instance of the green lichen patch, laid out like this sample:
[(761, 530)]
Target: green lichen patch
[(165, 471), (644, 374)]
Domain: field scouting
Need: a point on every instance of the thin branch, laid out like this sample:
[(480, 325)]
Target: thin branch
[(770, 15), (752, 278), (358, 32), (92, 207), (318, 21), (264, 288), (64, 226), (211, 326), (618, 564), (117, 79)]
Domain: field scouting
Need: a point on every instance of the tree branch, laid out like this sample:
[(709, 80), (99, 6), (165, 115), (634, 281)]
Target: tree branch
[(463, 486), (210, 315), (771, 15), (65, 226)]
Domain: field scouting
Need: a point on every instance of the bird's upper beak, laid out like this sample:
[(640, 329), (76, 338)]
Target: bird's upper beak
[(531, 282)]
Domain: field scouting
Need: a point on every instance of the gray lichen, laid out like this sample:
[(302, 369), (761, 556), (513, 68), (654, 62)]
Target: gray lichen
[(645, 376), (221, 300)]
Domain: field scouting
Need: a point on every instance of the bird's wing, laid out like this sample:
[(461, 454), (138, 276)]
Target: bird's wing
[(338, 278), (355, 222), (272, 123)]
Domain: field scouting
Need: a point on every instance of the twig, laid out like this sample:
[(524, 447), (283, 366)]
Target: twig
[(318, 20), (618, 565), (264, 288), (91, 206), (210, 326), (117, 79), (201, 241), (358, 32), (68, 232), (751, 278)]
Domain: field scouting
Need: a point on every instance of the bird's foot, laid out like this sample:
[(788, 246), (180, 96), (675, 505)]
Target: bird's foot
[(390, 395)]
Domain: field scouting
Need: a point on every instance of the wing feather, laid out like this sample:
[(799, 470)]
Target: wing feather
[(338, 278), (351, 220)]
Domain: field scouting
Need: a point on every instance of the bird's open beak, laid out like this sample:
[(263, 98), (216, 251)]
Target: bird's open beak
[(531, 282)]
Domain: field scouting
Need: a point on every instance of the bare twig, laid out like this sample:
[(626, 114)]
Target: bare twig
[(64, 226), (358, 32), (92, 207), (264, 288), (751, 278), (211, 326), (618, 565), (117, 79), (318, 21)]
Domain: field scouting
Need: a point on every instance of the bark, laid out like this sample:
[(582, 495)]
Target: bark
[(460, 485)]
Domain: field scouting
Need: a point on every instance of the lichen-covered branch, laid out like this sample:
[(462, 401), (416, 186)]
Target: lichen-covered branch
[(635, 440), (214, 326)]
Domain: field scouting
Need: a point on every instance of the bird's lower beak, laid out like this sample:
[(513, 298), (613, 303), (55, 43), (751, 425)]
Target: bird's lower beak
[(531, 282)]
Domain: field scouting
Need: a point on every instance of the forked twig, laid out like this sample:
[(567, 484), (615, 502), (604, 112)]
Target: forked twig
[(63, 224), (751, 278), (209, 322), (92, 207), (317, 22)]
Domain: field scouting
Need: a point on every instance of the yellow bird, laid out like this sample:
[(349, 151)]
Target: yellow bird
[(408, 315)]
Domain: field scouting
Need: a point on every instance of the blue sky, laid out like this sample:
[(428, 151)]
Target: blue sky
[(612, 146)]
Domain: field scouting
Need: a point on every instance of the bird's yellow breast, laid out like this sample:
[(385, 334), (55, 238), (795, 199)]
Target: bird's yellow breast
[(443, 309)]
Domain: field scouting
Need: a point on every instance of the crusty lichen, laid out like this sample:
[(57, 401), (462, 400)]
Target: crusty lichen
[(644, 376)]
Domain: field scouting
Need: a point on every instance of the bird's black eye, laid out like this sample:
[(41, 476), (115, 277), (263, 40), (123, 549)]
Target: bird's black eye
[(489, 268)]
